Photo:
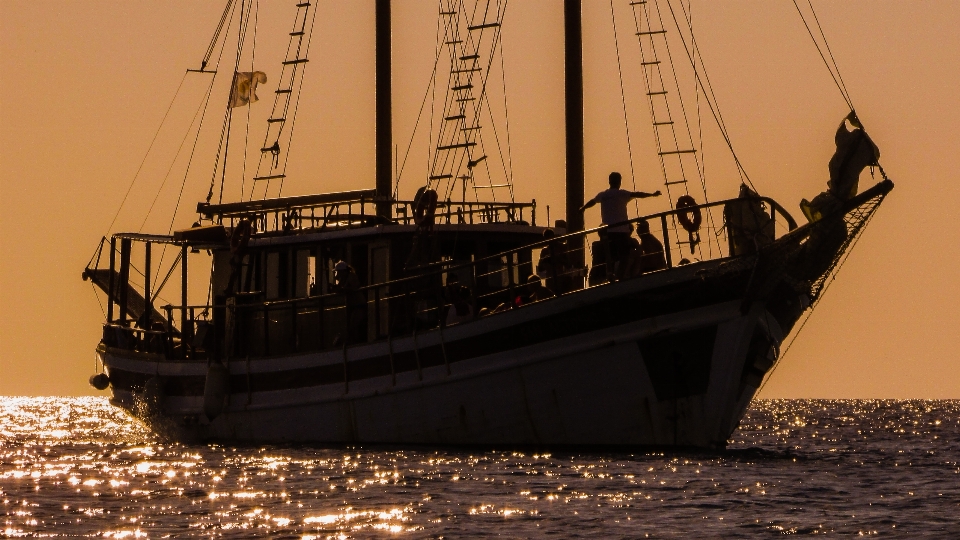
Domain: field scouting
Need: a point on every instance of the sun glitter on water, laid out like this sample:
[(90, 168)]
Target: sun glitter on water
[(79, 466)]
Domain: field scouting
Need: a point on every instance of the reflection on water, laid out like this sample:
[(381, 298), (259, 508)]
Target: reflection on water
[(78, 466)]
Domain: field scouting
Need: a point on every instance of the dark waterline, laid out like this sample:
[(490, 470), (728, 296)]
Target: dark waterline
[(79, 467)]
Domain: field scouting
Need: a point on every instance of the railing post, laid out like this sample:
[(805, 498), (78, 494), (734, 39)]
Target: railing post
[(168, 335), (376, 308), (186, 347), (184, 334), (296, 328), (266, 330), (111, 282), (147, 301), (666, 241), (124, 278), (510, 278)]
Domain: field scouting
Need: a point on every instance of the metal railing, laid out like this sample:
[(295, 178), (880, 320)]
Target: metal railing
[(248, 326), (301, 215)]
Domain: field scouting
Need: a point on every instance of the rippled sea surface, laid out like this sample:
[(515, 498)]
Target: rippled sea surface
[(79, 467)]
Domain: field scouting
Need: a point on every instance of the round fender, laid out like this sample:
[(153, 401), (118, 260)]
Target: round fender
[(100, 381), (689, 216)]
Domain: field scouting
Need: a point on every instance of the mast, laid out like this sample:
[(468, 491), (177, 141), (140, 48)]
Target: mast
[(384, 110), (573, 86)]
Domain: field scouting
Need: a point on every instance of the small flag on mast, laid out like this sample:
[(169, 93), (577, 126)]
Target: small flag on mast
[(244, 91)]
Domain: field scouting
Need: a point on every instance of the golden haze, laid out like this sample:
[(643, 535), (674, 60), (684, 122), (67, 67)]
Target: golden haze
[(83, 86)]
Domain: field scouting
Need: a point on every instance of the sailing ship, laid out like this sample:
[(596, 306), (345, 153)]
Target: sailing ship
[(362, 317)]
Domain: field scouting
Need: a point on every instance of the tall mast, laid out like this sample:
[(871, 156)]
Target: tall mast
[(573, 85), (384, 110)]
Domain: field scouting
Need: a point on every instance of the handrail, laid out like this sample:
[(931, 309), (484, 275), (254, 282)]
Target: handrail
[(281, 326), (449, 267), (792, 224)]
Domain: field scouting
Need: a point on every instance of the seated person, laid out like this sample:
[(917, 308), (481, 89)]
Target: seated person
[(533, 291), (347, 283), (554, 265), (460, 308), (647, 255)]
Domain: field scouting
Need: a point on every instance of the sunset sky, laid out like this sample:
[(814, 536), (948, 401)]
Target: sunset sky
[(84, 85)]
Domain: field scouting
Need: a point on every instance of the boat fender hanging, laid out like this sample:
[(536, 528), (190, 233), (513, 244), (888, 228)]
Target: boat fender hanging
[(216, 390), (100, 381)]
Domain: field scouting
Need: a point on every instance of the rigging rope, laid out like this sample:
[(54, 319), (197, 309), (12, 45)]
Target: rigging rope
[(246, 135), (241, 37), (170, 168), (223, 128), (710, 97), (623, 103), (436, 62), (506, 113), (296, 105), (216, 35), (149, 148), (833, 69), (816, 302)]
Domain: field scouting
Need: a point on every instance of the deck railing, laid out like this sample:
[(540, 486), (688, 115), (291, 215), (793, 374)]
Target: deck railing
[(358, 209), (248, 326)]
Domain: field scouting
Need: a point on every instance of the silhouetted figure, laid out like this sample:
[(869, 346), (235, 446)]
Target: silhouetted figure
[(613, 212), (554, 265), (347, 283), (533, 291), (461, 305), (647, 254)]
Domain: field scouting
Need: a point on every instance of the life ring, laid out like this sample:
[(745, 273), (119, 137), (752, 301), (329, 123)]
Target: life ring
[(240, 236), (689, 215), (425, 208), (291, 221)]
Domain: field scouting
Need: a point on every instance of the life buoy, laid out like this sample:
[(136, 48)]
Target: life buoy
[(291, 221), (240, 236), (689, 215), (425, 209)]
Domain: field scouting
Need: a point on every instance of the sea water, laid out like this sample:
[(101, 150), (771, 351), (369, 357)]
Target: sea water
[(79, 467)]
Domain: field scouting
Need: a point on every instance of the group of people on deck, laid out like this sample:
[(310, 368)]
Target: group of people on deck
[(623, 256)]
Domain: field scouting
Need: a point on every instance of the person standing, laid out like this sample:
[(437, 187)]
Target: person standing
[(613, 210)]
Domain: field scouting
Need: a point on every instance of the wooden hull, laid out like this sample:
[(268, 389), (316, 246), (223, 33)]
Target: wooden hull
[(667, 359)]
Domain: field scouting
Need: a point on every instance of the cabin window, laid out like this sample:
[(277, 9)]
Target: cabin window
[(305, 273)]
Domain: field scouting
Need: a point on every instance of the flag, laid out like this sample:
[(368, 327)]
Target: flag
[(244, 89)]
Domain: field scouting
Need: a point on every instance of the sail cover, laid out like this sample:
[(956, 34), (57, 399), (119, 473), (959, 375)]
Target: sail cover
[(244, 89), (855, 151)]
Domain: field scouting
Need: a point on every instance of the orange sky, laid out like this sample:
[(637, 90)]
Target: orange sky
[(84, 84)]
